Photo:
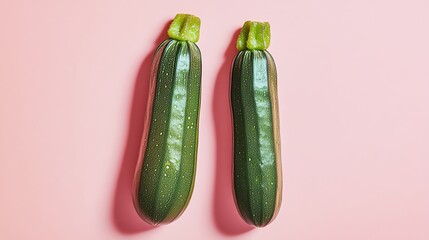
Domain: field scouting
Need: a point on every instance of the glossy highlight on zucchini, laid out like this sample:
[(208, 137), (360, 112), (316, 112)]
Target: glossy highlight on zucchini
[(257, 178), (165, 172)]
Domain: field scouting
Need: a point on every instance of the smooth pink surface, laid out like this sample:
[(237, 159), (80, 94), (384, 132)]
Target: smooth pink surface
[(354, 106)]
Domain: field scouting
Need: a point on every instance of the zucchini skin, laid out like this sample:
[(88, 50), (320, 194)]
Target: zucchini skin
[(257, 177), (165, 173)]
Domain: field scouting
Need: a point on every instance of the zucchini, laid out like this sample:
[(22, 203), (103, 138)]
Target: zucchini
[(165, 172), (257, 178)]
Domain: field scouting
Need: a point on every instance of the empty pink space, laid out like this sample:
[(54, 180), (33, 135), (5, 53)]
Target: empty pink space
[(354, 108)]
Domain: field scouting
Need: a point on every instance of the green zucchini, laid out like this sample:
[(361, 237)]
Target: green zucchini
[(165, 172), (257, 178)]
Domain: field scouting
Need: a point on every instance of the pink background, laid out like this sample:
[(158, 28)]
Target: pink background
[(354, 108)]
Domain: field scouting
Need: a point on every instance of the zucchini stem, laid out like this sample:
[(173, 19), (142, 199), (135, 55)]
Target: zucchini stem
[(185, 27), (254, 36)]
